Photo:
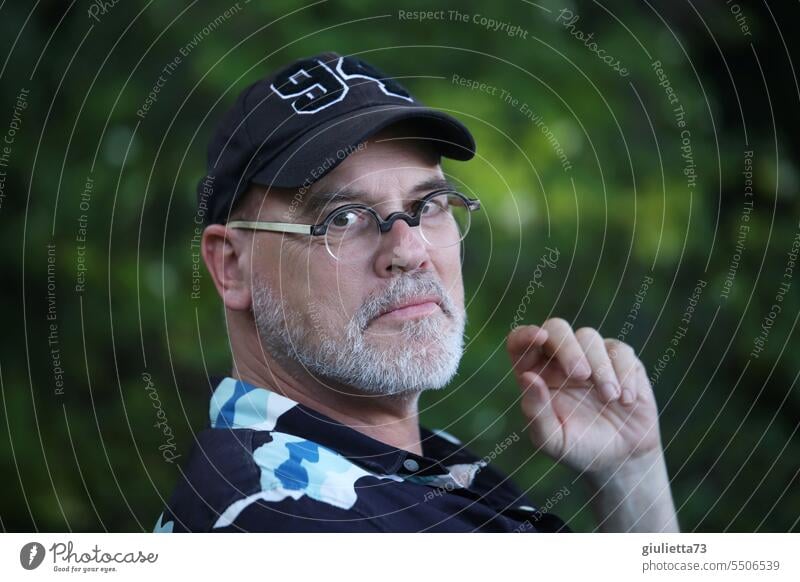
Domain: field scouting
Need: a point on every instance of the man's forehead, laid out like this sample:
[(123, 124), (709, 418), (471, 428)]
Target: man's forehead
[(379, 181), (396, 153)]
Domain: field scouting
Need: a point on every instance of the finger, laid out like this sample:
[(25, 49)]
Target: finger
[(565, 349), (523, 345), (644, 394), (545, 429), (626, 364), (603, 376), (523, 338)]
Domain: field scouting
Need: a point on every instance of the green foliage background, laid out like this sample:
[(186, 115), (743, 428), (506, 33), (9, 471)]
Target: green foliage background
[(89, 459)]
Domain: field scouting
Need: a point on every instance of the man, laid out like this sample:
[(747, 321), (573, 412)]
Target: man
[(333, 239)]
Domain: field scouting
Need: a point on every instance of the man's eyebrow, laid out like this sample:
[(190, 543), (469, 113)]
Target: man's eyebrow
[(431, 184), (317, 201)]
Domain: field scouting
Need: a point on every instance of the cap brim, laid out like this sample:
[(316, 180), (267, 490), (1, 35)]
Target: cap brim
[(319, 150)]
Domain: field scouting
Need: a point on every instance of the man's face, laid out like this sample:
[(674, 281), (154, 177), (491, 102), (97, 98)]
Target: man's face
[(328, 314)]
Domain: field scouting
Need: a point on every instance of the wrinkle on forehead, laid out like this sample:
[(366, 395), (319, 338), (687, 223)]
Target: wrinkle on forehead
[(395, 154)]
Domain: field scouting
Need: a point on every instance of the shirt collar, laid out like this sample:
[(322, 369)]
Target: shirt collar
[(236, 404)]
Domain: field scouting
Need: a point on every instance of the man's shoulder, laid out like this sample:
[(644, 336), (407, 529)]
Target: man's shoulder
[(219, 469), (243, 479)]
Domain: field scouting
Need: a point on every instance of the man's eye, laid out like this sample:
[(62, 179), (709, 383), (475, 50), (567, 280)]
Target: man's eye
[(435, 206), (345, 219)]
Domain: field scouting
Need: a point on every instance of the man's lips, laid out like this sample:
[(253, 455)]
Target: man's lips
[(412, 307)]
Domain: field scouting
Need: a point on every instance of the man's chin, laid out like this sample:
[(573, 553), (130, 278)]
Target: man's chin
[(386, 364)]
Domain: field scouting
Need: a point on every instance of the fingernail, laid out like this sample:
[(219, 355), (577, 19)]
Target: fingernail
[(611, 390), (627, 396)]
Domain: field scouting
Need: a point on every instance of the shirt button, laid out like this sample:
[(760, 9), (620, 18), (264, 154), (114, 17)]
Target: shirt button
[(411, 465)]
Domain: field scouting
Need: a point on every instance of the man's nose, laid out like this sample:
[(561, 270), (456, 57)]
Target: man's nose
[(402, 249)]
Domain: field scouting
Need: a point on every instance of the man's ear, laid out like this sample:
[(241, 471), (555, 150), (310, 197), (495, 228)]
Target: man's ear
[(226, 257)]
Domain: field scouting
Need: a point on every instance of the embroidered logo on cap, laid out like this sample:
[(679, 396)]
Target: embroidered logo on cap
[(312, 85)]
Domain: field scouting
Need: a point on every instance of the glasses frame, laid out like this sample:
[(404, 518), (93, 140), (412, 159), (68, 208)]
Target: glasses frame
[(413, 219)]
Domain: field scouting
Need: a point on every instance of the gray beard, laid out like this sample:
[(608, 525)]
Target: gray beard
[(424, 353)]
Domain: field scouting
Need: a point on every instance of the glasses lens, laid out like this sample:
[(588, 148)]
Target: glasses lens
[(352, 233), (444, 220)]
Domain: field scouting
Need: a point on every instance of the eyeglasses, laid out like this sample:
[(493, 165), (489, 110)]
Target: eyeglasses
[(354, 230)]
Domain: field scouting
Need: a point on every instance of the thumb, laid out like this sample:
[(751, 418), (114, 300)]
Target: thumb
[(544, 426)]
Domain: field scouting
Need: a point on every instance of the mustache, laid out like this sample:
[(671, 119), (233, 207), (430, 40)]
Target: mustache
[(399, 289)]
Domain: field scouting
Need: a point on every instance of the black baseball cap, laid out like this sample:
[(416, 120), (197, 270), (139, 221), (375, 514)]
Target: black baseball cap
[(293, 127)]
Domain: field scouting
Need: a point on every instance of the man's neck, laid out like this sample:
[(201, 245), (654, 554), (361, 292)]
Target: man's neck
[(392, 420)]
